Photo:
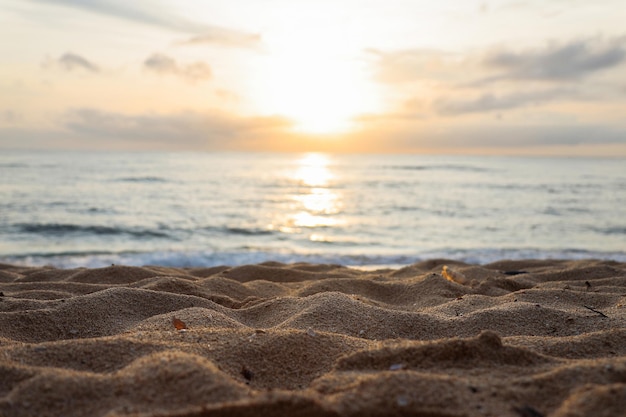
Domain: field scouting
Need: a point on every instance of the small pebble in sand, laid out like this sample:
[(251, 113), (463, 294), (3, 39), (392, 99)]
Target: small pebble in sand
[(246, 373), (402, 400), (397, 367)]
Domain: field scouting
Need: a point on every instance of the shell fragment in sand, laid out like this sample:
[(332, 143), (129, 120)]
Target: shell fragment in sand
[(179, 324), (454, 275)]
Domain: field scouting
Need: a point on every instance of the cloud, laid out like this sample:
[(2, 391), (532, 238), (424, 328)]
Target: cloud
[(9, 116), (502, 137), (88, 128), (569, 61), (408, 65), (184, 130), (141, 11), (563, 61), (165, 65), (224, 37), (70, 62), (161, 64), (489, 102), (539, 135)]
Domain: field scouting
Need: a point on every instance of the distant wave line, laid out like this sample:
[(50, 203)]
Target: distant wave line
[(239, 231), (58, 229), (142, 179), (465, 168)]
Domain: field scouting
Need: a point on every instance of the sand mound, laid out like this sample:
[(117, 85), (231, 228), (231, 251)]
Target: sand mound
[(437, 338)]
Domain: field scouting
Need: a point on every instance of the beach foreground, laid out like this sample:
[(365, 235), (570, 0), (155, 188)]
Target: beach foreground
[(512, 338)]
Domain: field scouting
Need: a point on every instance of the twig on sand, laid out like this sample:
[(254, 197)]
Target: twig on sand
[(596, 311)]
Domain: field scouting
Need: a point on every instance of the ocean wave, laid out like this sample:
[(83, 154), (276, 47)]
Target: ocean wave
[(96, 259), (242, 231), (463, 168), (13, 165), (615, 230), (247, 232), (142, 179), (58, 229)]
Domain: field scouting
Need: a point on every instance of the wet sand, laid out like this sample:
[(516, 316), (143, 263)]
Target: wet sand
[(512, 338)]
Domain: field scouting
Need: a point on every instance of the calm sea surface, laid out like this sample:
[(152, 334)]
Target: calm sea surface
[(183, 209)]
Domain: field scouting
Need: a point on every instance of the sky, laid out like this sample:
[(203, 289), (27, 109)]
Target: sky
[(536, 77)]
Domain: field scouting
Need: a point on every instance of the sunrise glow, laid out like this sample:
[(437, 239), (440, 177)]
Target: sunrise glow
[(314, 76), (312, 81), (320, 96)]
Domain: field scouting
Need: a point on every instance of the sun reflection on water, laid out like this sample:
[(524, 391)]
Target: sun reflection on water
[(314, 204), (313, 170)]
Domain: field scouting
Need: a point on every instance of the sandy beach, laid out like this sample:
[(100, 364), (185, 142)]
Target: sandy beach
[(437, 338)]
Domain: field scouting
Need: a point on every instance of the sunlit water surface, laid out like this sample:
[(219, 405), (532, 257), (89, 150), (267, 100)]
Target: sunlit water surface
[(183, 209)]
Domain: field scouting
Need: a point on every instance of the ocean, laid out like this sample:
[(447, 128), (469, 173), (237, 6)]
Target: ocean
[(93, 209)]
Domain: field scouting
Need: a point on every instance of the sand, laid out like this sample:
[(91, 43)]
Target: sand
[(512, 338)]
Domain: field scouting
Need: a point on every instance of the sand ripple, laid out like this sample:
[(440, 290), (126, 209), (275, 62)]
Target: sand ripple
[(513, 338)]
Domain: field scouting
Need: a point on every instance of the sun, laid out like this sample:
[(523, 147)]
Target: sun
[(320, 89), (320, 96)]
